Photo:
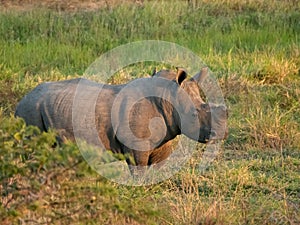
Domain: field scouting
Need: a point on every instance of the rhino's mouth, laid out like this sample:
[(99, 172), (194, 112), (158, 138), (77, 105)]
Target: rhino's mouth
[(204, 138), (209, 137)]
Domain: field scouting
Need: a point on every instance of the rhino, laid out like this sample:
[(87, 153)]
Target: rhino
[(139, 119)]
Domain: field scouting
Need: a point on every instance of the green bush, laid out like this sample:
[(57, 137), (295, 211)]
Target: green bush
[(29, 163), (41, 182)]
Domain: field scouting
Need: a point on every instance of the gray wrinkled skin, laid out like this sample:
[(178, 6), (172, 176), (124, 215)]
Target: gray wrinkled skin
[(50, 105)]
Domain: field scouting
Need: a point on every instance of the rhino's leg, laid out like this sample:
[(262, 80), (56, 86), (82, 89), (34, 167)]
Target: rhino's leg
[(137, 161), (137, 158), (160, 154)]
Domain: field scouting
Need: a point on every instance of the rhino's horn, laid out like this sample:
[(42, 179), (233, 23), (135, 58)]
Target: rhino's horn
[(200, 77), (181, 75)]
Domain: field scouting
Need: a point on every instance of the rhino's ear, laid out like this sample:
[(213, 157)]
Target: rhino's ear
[(154, 72), (200, 77), (181, 75)]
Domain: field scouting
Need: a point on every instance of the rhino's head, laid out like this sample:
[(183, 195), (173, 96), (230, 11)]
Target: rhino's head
[(200, 121)]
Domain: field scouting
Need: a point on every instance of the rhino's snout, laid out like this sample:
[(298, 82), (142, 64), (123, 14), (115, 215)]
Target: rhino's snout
[(219, 123), (221, 136)]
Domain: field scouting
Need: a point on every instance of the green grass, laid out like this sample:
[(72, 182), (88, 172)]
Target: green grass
[(254, 49)]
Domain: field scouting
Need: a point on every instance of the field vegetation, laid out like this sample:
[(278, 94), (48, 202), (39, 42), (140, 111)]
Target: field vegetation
[(253, 47)]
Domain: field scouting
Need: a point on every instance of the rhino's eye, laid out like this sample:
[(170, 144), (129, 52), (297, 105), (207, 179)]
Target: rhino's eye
[(205, 107)]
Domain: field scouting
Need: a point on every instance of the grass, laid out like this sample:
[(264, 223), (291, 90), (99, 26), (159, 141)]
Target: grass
[(253, 48)]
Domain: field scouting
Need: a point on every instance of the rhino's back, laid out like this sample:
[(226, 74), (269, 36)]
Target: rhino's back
[(66, 104)]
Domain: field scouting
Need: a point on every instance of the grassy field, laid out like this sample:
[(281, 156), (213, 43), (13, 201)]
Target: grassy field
[(252, 46)]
